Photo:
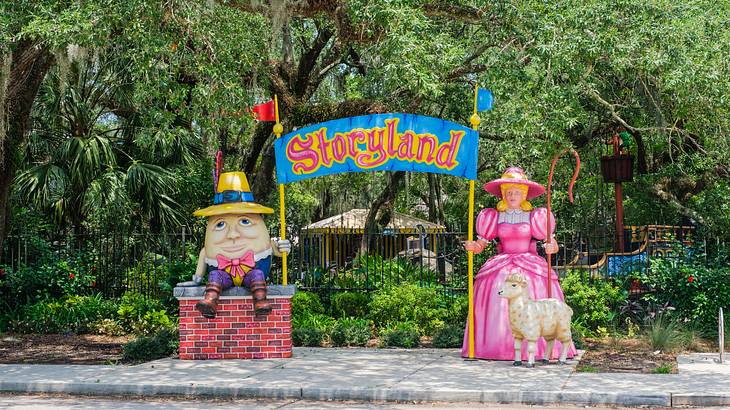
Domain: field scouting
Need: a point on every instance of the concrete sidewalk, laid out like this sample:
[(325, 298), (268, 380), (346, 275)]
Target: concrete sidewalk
[(433, 375)]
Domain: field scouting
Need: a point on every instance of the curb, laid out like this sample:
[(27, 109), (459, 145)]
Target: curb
[(374, 394), (98, 389), (700, 400)]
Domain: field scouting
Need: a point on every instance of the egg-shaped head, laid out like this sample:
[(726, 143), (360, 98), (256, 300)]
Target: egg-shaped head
[(233, 235)]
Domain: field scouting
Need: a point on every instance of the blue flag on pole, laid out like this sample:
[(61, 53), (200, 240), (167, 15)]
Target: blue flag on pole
[(484, 99)]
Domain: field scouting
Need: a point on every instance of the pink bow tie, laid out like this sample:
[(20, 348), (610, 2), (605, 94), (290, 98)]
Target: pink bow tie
[(238, 267)]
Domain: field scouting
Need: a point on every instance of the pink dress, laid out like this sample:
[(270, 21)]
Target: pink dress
[(517, 233)]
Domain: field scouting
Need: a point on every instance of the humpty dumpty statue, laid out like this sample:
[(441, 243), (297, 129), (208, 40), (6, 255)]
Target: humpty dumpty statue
[(237, 248)]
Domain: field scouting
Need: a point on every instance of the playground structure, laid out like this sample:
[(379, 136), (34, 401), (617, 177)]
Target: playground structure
[(641, 243)]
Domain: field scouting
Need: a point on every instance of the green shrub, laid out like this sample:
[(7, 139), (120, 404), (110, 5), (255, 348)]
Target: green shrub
[(68, 314), (592, 300), (400, 335), (303, 303), (107, 327), (307, 336), (449, 336), (152, 322), (396, 271), (146, 348), (133, 307), (350, 304), (579, 332), (362, 274), (10, 317), (408, 303), (179, 270), (457, 310), (314, 321), (351, 332), (695, 290), (149, 273), (65, 274)]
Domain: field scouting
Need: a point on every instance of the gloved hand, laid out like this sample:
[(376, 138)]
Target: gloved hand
[(196, 281), (283, 245)]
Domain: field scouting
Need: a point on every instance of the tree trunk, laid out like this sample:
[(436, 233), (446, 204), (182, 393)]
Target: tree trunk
[(261, 134), (432, 195), (440, 215), (30, 63), (6, 177), (640, 153), (322, 211), (265, 181), (384, 201)]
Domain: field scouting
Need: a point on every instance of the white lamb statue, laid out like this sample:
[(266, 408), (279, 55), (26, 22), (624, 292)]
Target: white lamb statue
[(530, 319)]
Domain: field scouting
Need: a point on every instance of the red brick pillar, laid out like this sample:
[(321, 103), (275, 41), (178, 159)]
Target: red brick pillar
[(235, 333)]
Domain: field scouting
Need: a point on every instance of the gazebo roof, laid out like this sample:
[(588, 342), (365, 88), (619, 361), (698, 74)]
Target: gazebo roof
[(354, 221)]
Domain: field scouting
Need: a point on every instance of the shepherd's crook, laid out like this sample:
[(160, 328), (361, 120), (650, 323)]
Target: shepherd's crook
[(570, 196)]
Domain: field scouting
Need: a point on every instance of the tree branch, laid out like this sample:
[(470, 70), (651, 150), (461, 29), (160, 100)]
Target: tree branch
[(614, 114), (308, 61), (463, 70), (658, 191), (308, 113), (334, 9), (466, 14)]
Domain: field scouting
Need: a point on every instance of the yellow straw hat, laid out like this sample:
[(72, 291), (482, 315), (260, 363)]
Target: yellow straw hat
[(233, 196)]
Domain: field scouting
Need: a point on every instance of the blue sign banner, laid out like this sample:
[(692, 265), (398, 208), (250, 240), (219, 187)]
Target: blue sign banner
[(378, 142)]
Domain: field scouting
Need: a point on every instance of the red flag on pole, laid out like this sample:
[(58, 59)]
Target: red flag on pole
[(265, 111)]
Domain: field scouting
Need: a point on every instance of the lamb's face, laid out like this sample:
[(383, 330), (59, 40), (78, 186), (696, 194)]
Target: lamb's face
[(513, 286)]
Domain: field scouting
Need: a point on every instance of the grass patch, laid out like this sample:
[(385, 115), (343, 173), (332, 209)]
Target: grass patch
[(588, 369), (663, 369), (663, 334), (693, 340)]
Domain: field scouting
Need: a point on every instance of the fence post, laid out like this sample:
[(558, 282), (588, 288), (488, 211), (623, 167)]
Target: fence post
[(721, 335), (184, 248)]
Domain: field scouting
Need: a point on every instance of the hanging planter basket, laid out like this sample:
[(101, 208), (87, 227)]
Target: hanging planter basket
[(617, 168)]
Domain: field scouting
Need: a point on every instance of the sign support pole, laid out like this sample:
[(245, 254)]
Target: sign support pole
[(278, 129), (475, 121)]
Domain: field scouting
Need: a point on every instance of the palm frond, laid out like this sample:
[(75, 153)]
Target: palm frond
[(87, 157), (149, 185), (42, 185), (106, 191)]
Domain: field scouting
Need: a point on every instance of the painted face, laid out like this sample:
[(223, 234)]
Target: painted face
[(514, 197), (233, 235)]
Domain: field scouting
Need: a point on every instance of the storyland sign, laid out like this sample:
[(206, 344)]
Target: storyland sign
[(378, 142)]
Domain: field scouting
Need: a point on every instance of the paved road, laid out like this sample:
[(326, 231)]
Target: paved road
[(62, 402)]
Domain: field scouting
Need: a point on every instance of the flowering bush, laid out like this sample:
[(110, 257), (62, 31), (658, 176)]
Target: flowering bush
[(695, 290), (75, 276), (27, 284)]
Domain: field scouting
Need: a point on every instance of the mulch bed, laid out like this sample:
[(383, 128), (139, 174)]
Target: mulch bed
[(61, 349), (625, 356)]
